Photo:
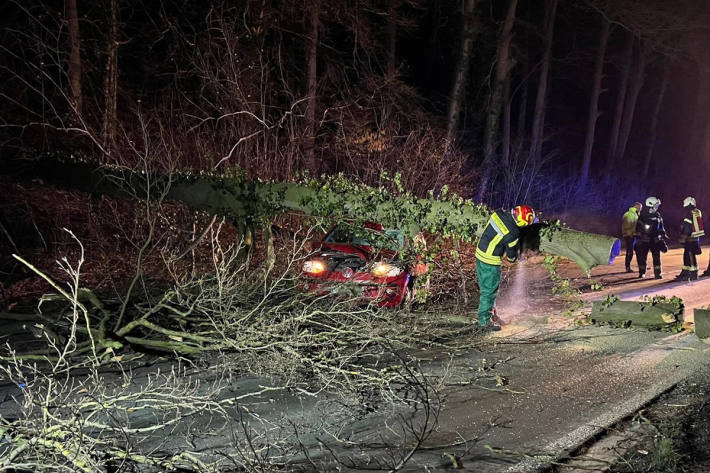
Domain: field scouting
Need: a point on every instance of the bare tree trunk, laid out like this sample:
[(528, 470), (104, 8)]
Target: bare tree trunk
[(612, 150), (312, 86), (504, 64), (635, 85), (541, 99), (74, 56), (111, 83), (505, 145), (458, 89), (523, 102), (654, 121), (594, 103), (392, 37)]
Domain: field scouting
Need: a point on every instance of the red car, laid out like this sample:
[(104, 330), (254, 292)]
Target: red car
[(364, 263)]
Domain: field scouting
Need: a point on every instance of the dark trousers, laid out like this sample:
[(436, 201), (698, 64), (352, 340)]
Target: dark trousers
[(629, 243), (690, 252), (642, 249)]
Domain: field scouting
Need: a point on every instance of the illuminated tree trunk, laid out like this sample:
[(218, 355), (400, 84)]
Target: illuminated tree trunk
[(504, 64), (612, 149), (654, 122), (75, 95), (458, 88), (594, 103), (244, 202), (538, 127), (312, 86)]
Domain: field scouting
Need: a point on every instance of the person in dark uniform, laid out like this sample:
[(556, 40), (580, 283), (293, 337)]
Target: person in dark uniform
[(651, 237), (690, 232)]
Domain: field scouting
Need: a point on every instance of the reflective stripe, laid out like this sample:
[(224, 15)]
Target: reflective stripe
[(688, 220), (513, 243), (498, 224), (489, 259), (493, 243)]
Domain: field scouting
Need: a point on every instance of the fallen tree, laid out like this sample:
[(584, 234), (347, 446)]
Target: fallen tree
[(250, 203), (657, 312)]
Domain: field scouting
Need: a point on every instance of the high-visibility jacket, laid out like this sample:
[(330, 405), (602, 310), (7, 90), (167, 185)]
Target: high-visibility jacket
[(692, 224), (500, 237), (628, 222)]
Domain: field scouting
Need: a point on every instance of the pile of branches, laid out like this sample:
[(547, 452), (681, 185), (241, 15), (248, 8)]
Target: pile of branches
[(230, 345)]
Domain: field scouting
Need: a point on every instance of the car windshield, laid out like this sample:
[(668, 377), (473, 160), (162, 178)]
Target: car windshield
[(386, 239)]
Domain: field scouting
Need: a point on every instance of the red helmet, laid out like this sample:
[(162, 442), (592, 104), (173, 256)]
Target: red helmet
[(523, 215)]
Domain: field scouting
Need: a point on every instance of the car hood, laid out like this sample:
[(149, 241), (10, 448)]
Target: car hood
[(365, 253)]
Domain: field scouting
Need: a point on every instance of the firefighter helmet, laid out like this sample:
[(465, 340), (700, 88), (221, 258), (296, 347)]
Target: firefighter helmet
[(653, 203), (688, 201), (523, 215)]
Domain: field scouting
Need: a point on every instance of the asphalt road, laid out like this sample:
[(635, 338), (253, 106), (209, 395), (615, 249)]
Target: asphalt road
[(564, 387), (513, 401)]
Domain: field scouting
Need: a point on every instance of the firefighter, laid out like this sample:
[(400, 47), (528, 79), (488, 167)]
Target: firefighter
[(499, 238), (628, 232), (690, 232), (651, 237)]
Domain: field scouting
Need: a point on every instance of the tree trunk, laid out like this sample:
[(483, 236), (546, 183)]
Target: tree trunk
[(504, 64), (642, 314), (635, 85), (594, 103), (538, 127), (75, 95), (243, 201), (654, 122), (612, 150), (458, 88), (505, 145), (312, 86), (523, 103), (392, 37), (110, 124)]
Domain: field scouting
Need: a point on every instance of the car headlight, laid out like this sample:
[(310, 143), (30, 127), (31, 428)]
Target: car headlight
[(313, 266), (382, 270)]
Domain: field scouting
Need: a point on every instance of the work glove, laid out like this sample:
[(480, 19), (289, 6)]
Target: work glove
[(662, 246)]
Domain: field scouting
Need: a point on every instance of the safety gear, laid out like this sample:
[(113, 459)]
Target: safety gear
[(650, 227), (690, 232), (628, 221), (692, 226), (653, 203), (523, 215), (499, 237)]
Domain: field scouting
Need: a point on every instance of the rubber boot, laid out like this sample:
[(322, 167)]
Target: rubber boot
[(693, 275), (684, 274), (629, 270), (657, 272)]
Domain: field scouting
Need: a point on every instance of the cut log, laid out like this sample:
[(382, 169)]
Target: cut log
[(702, 323), (642, 314), (245, 202)]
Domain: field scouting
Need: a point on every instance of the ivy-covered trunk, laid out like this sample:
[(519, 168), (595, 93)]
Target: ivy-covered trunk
[(242, 200)]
